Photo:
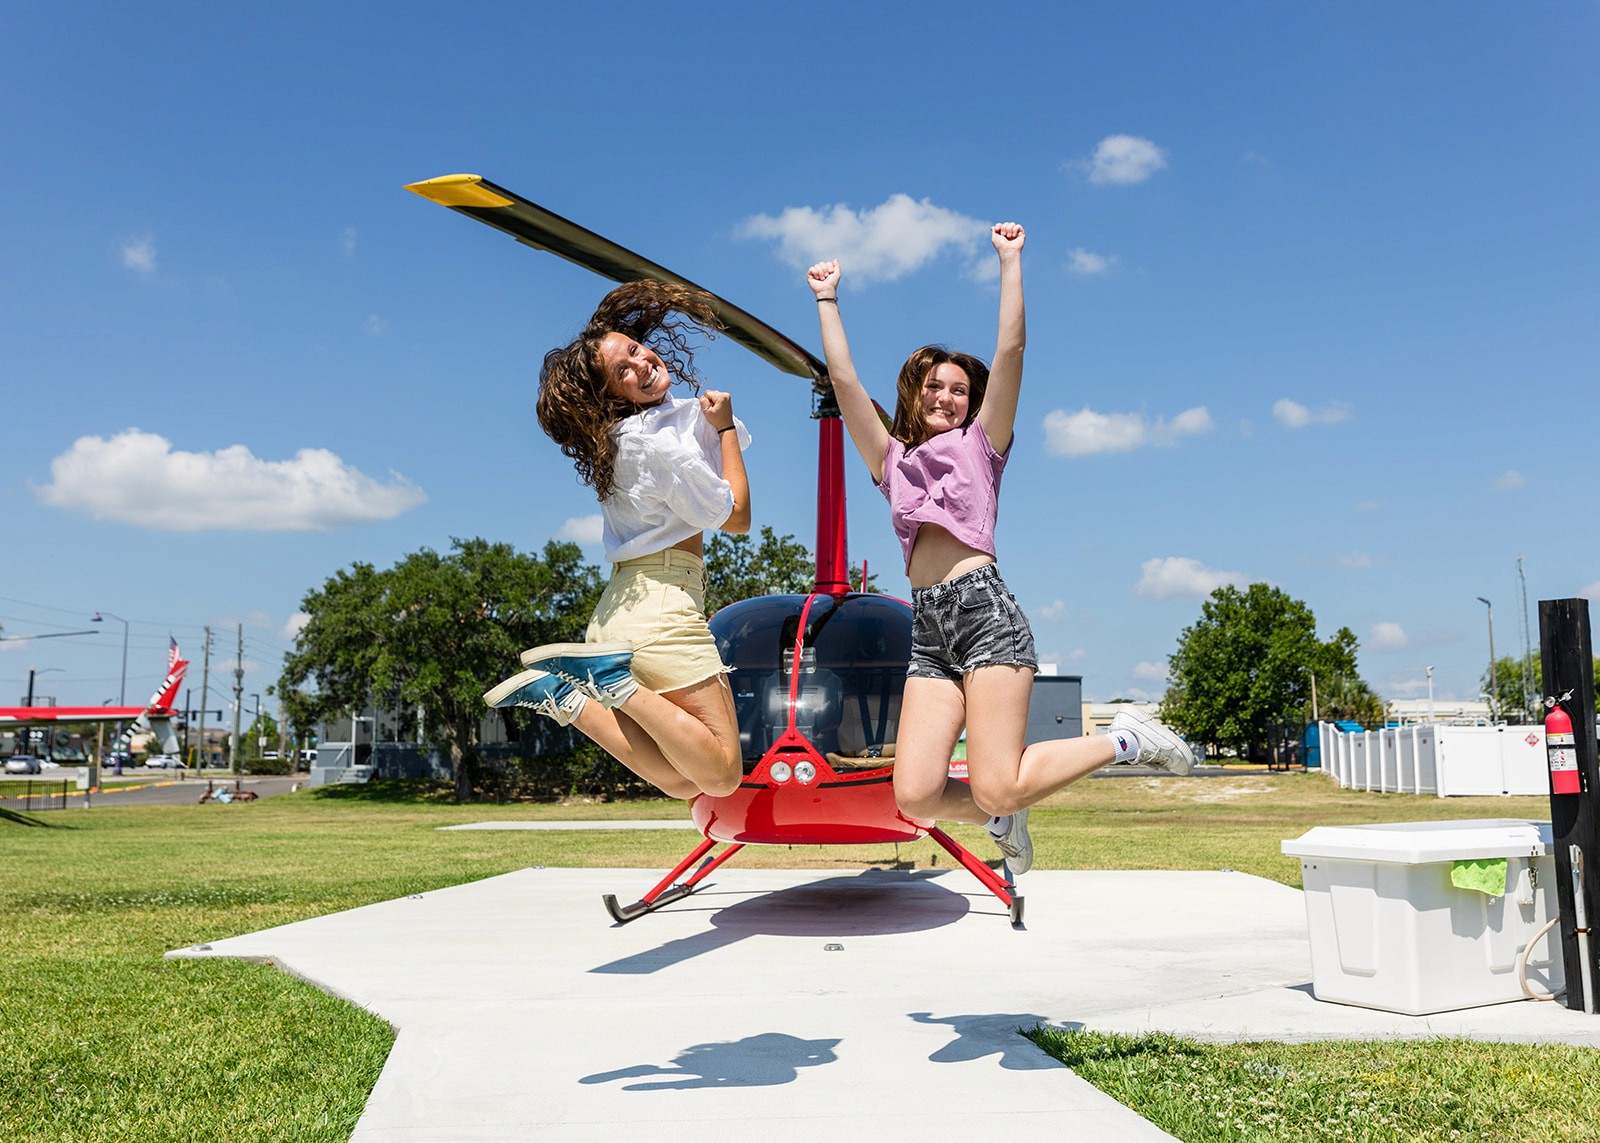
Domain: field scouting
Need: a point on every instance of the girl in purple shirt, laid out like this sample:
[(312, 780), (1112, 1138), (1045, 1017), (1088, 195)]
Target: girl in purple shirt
[(973, 658)]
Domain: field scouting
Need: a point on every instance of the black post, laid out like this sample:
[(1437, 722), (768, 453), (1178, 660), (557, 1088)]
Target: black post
[(1568, 660)]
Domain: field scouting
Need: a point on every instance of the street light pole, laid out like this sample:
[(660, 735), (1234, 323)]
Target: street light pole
[(1494, 688), (122, 692), (1430, 694), (30, 733), (122, 687)]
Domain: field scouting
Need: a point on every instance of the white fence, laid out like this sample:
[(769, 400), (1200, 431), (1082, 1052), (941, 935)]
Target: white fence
[(1449, 761)]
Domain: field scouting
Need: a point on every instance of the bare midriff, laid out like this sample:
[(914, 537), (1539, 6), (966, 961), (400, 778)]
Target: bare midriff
[(695, 545), (938, 557)]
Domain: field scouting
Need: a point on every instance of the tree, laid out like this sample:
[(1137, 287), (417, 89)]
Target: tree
[(1241, 675), (1503, 685), (250, 752), (738, 568), (434, 631)]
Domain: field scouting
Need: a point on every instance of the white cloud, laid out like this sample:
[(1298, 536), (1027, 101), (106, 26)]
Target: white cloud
[(1509, 481), (1123, 159), (138, 478), (1150, 672), (1051, 612), (880, 243), (1367, 505), (139, 255), (296, 624), (589, 530), (1404, 687), (347, 241), (1087, 432), (1179, 577), (1388, 637), (1592, 592), (374, 326), (1088, 263), (1355, 561), (1294, 415)]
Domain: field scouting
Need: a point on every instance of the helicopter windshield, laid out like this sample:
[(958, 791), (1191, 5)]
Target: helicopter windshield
[(852, 672)]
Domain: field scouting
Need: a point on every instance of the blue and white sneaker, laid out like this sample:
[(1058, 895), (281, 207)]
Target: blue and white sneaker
[(1159, 745), (540, 691), (603, 671)]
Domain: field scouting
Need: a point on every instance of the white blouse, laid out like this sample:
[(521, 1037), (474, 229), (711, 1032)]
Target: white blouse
[(667, 483)]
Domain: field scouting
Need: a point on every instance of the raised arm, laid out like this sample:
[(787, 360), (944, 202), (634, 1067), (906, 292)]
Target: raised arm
[(860, 417), (718, 408), (999, 412)]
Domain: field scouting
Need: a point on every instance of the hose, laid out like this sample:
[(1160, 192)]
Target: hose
[(1522, 964)]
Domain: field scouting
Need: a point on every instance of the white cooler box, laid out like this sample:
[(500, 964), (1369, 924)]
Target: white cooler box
[(1390, 929)]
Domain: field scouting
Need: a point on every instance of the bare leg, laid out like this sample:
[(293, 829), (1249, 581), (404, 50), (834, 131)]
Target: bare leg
[(1006, 777), (932, 713), (684, 742), (623, 739)]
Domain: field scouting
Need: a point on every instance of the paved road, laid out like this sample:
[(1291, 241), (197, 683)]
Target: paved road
[(158, 788)]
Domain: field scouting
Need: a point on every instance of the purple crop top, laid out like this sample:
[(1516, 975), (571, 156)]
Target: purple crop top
[(952, 480)]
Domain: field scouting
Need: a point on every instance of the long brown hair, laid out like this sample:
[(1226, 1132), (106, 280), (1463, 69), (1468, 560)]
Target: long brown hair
[(910, 428), (576, 408)]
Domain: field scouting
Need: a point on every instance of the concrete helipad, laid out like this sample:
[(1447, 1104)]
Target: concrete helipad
[(797, 1005)]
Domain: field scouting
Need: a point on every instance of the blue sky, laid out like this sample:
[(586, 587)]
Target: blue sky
[(1311, 299)]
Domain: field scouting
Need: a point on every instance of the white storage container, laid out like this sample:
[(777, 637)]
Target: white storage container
[(1390, 930)]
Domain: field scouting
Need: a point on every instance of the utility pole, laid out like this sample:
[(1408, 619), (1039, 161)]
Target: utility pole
[(1528, 697), (205, 694), (238, 703), (1494, 682)]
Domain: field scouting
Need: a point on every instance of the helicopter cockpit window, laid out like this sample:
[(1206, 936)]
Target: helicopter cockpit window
[(851, 673)]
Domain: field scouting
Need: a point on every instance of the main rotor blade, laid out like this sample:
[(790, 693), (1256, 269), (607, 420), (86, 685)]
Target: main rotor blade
[(529, 223)]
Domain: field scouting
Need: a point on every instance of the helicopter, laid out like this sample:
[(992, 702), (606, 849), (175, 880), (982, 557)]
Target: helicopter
[(817, 677)]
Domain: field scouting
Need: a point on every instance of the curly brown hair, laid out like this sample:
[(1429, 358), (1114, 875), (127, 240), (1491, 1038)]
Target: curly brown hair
[(576, 408), (910, 428)]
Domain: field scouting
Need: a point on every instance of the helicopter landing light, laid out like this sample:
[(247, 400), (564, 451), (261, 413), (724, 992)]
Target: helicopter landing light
[(805, 772), (780, 771)]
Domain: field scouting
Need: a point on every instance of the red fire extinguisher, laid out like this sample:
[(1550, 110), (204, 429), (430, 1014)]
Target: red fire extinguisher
[(1561, 749)]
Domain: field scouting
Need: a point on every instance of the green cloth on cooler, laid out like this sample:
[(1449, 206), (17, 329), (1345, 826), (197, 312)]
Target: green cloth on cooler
[(1488, 876)]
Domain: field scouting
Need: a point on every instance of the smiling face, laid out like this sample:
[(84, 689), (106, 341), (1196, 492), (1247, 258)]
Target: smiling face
[(634, 372), (945, 396)]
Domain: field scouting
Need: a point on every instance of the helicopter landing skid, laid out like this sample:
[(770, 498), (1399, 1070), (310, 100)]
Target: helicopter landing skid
[(665, 891), (670, 889), (1001, 888)]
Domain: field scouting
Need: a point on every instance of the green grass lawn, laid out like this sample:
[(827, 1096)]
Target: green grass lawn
[(102, 1039)]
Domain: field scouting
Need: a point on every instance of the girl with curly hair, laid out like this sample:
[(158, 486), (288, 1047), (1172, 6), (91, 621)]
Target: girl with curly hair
[(972, 660), (647, 683)]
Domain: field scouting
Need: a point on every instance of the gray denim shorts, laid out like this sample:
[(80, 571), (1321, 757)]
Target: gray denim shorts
[(965, 623)]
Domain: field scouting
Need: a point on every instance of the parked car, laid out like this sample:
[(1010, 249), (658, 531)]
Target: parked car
[(23, 764), (163, 762)]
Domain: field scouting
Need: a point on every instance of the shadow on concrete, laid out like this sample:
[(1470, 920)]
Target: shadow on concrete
[(978, 1036), (764, 1060), (875, 902)]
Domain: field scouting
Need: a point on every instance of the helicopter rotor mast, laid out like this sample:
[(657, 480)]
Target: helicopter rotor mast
[(533, 225)]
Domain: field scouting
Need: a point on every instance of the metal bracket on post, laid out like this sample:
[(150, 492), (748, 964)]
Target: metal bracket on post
[(1568, 661)]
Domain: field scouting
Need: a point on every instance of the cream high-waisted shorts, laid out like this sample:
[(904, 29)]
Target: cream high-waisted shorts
[(658, 604)]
